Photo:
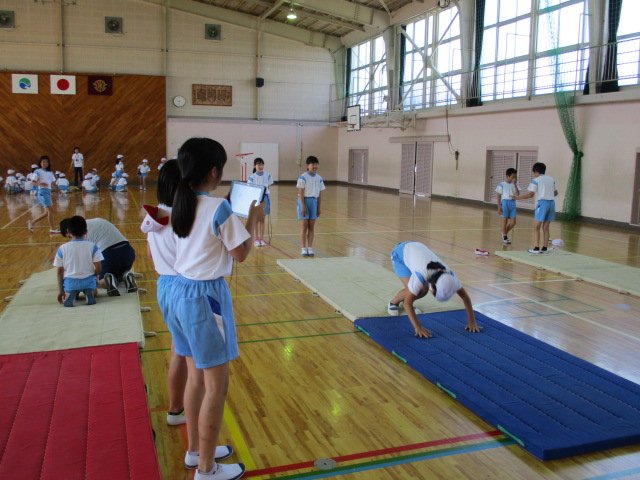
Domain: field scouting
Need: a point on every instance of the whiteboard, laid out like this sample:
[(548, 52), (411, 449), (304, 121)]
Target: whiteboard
[(269, 152)]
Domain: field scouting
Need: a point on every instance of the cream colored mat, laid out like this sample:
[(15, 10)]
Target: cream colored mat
[(34, 321), (355, 287), (621, 278)]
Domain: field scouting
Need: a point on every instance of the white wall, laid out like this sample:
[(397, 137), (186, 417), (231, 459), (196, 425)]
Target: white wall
[(296, 142), (610, 133)]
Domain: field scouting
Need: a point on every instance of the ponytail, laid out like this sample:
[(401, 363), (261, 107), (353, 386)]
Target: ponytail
[(183, 213), (197, 157)]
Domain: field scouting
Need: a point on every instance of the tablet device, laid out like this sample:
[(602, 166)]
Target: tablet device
[(242, 195)]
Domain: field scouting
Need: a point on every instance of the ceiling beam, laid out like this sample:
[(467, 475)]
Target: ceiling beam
[(275, 7), (314, 39), (309, 14)]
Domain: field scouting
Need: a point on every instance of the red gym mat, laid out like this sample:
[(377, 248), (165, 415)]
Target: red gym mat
[(75, 414)]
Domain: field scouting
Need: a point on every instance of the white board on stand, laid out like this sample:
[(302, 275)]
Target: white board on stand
[(269, 152)]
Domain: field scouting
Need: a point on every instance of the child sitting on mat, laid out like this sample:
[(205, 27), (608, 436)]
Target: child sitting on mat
[(78, 263), (421, 270)]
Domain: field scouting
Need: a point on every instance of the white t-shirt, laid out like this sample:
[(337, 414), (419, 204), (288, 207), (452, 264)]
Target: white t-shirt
[(144, 168), (416, 256), (103, 233), (261, 178), (87, 185), (162, 242), (312, 184), (204, 254), (543, 186), (77, 257), (62, 182), (507, 190), (78, 160), (11, 181), (120, 166), (44, 176)]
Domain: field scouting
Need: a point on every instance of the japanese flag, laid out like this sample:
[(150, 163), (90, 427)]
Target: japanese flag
[(63, 84), (24, 83)]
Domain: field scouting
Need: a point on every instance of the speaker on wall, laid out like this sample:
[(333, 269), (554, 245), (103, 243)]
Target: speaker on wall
[(259, 82), (112, 24), (7, 19), (212, 31)]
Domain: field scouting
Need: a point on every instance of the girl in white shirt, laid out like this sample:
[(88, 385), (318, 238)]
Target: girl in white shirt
[(209, 238), (260, 177), (143, 171), (43, 177)]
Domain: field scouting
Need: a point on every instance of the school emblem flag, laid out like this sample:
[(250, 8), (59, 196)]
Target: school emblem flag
[(23, 83), (100, 85), (63, 84)]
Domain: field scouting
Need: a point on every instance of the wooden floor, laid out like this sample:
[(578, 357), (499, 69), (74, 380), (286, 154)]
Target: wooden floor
[(307, 386)]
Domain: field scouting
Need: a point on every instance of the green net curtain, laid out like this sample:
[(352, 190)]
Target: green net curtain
[(475, 93)]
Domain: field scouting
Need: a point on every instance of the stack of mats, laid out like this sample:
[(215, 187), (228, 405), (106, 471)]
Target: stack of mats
[(75, 408), (553, 404)]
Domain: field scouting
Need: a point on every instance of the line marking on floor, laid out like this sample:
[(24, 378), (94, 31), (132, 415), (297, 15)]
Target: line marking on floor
[(19, 216), (618, 474), (238, 439)]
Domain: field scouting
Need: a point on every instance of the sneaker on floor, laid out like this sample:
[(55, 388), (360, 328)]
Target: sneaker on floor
[(310, 252), (111, 285), (506, 240), (304, 252), (263, 243), (393, 309), (130, 282), (54, 231), (535, 251), (482, 253), (230, 471), (544, 250), (175, 419), (222, 451), (257, 243), (30, 226)]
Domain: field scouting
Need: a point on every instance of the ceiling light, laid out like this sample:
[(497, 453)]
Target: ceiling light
[(292, 14)]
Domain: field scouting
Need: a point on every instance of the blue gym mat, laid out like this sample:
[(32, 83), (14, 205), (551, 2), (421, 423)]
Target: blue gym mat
[(553, 404)]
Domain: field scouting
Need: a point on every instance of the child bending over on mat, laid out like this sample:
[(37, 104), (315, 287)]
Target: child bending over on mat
[(161, 245), (209, 238), (419, 270), (78, 263)]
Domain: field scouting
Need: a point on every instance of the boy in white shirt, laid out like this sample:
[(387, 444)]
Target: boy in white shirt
[(544, 188), (507, 191), (11, 183), (143, 171), (121, 184), (63, 184), (87, 185), (78, 263), (309, 186)]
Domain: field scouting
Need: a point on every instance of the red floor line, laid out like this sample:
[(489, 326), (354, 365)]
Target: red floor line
[(373, 453)]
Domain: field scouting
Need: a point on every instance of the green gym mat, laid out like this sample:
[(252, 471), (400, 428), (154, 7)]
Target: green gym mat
[(35, 322), (621, 278), (355, 287)]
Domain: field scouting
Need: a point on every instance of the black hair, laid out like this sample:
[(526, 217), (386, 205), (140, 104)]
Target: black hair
[(434, 271), (77, 226), (168, 180), (64, 226), (257, 161), (45, 157), (196, 158), (76, 148), (511, 171), (311, 159), (539, 167)]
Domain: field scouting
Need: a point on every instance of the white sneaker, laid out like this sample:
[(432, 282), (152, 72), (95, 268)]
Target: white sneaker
[(304, 252), (30, 226), (310, 252), (231, 471), (263, 243), (130, 282), (111, 284), (534, 251), (175, 419), (257, 243), (393, 310), (222, 451)]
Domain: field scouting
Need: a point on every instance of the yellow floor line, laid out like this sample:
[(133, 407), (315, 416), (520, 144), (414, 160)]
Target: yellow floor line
[(239, 444)]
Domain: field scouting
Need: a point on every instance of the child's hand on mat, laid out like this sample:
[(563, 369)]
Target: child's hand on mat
[(422, 332), (475, 328)]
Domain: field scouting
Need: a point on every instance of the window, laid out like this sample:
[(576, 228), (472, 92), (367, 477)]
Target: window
[(368, 85), (629, 44), (432, 60)]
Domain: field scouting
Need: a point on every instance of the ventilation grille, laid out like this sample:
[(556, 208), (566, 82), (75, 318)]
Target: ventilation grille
[(112, 24), (212, 31), (7, 19)]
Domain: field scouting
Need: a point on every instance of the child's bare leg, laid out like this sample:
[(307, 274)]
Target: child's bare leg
[(49, 211), (39, 217), (193, 395), (176, 381), (260, 230), (536, 233), (304, 226), (545, 234), (400, 295), (216, 381), (511, 222), (505, 226), (310, 232)]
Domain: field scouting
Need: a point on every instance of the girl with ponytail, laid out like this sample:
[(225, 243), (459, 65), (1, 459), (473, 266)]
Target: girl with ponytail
[(209, 238)]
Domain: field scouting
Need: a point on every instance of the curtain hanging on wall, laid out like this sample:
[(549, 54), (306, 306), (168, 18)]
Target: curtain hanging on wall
[(610, 74), (474, 98)]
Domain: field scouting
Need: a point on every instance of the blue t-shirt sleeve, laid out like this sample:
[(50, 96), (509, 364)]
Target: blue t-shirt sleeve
[(222, 214)]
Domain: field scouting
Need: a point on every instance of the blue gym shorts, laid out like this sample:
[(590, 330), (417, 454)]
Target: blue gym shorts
[(508, 208), (397, 256), (164, 286), (545, 211), (311, 204), (267, 205), (202, 324), (44, 197), (79, 284)]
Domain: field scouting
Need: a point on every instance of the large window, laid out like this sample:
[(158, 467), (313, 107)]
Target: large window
[(432, 60), (629, 43), (368, 85)]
